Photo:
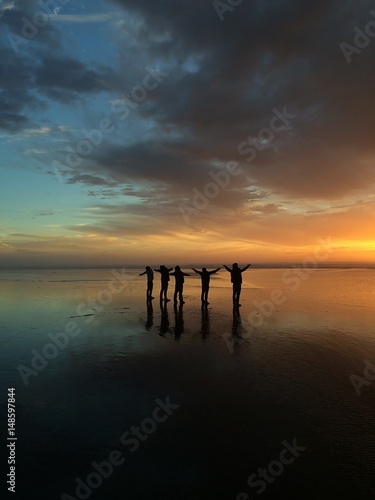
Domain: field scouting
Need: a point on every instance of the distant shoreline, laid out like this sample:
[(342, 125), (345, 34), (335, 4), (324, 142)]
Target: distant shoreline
[(281, 265)]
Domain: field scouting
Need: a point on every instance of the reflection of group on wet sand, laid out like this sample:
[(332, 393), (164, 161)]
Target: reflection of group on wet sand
[(166, 327), (179, 275)]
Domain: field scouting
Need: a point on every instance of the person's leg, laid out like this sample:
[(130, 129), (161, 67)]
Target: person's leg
[(165, 292), (238, 293), (180, 293), (175, 295)]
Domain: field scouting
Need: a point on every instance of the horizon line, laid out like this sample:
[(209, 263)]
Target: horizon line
[(275, 265)]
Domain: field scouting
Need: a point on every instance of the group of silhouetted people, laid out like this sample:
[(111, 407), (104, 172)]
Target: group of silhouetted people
[(236, 280)]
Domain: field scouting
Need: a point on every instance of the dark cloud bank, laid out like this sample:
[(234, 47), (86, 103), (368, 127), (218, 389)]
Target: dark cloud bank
[(226, 77)]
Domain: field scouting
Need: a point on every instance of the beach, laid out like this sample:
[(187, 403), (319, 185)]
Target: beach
[(119, 399)]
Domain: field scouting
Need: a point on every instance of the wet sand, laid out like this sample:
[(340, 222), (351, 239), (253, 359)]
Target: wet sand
[(243, 386)]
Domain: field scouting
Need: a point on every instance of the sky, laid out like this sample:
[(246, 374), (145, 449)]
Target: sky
[(167, 131)]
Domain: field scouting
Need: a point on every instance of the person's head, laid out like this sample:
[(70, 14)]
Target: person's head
[(162, 267), (235, 265), (204, 269), (148, 267), (177, 268)]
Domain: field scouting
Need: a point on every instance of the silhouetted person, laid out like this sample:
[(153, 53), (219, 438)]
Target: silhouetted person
[(179, 284), (236, 279), (205, 277), (164, 281), (150, 281)]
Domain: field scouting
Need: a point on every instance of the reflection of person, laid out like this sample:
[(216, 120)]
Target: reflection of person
[(205, 277), (150, 281), (205, 328), (164, 319), (179, 284), (236, 324), (236, 279), (164, 281), (150, 316), (179, 320)]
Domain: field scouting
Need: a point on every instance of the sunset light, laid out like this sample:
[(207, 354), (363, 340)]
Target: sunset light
[(109, 157), (187, 249)]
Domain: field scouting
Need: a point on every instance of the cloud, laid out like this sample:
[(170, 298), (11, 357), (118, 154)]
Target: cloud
[(82, 18), (4, 6), (44, 214), (63, 78), (263, 56), (91, 180), (32, 77), (225, 81)]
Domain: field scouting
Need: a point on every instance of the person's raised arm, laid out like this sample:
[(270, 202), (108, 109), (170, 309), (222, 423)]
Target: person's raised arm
[(170, 269), (157, 270), (198, 272), (144, 272), (244, 268), (227, 268), (186, 274)]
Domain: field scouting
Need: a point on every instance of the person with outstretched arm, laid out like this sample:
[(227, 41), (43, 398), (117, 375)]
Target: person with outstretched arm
[(164, 281), (150, 282), (205, 278), (179, 284), (236, 279)]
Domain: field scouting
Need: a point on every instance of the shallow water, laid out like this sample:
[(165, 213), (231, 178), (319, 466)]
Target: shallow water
[(246, 382)]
